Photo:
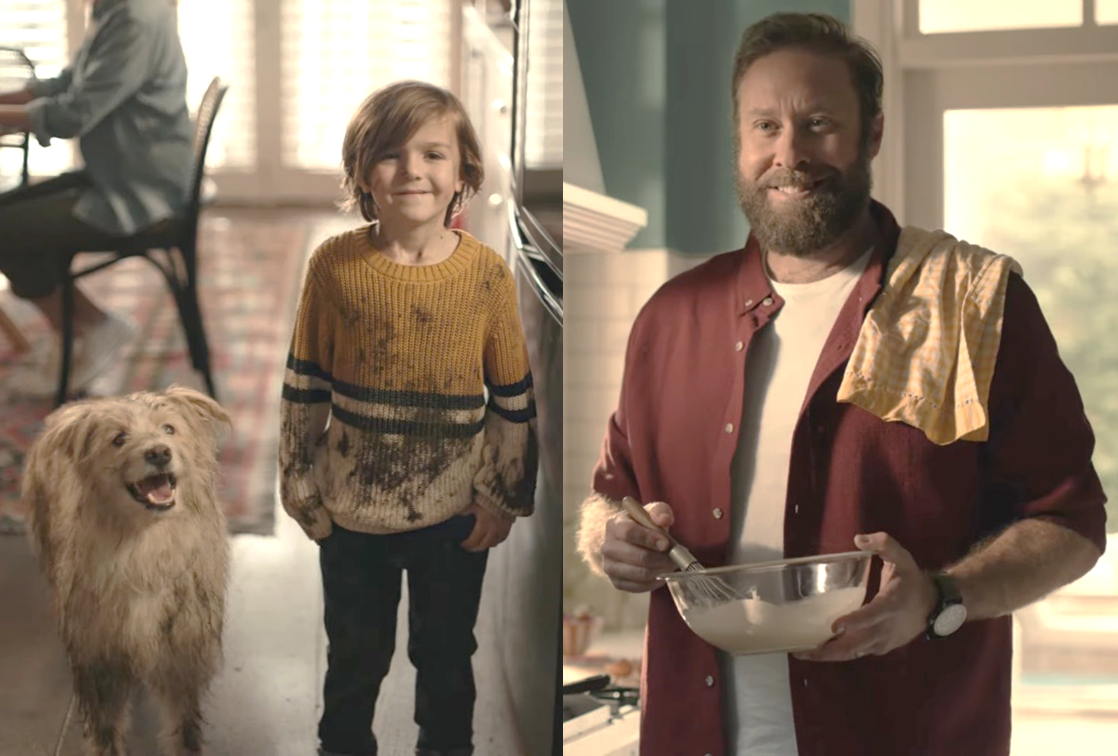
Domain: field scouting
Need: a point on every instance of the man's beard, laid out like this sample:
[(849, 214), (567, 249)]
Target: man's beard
[(802, 227)]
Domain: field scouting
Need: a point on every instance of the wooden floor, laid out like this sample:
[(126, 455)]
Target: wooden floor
[(267, 698)]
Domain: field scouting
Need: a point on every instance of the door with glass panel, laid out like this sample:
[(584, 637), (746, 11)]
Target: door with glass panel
[(1022, 157)]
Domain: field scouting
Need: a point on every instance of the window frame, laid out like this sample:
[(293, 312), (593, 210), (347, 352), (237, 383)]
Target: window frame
[(270, 180), (892, 27)]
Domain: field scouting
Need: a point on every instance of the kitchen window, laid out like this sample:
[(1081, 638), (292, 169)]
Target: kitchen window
[(296, 70), (38, 27), (1008, 138)]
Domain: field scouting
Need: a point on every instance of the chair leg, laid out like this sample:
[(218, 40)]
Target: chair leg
[(67, 335), (186, 297), (25, 173)]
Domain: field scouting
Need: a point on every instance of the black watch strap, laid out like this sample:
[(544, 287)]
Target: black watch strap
[(948, 614)]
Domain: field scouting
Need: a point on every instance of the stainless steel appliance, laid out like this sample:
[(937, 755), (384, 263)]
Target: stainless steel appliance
[(526, 197)]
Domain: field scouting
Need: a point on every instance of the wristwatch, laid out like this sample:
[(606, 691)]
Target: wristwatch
[(949, 614)]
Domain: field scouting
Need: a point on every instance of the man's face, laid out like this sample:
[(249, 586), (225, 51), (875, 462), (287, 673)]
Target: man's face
[(803, 174)]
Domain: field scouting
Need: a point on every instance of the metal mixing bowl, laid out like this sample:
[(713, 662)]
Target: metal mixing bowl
[(768, 607)]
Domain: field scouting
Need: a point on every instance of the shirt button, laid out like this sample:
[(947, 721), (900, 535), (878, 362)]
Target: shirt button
[(710, 681), (718, 514), (729, 427), (748, 302), (767, 301), (739, 346), (796, 509)]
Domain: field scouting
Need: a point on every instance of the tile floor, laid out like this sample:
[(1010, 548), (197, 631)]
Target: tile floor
[(266, 699)]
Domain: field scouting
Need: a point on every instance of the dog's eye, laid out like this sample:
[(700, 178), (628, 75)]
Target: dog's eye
[(169, 429), (119, 439)]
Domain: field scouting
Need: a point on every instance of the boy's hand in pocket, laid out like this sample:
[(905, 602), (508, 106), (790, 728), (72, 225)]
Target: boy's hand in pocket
[(489, 529)]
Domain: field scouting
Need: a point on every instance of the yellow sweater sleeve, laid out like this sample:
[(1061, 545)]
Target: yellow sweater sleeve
[(305, 408), (506, 482)]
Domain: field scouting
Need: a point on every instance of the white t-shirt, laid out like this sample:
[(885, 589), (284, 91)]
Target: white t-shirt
[(781, 360)]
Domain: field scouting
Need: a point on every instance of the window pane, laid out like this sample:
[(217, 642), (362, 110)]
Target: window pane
[(38, 27), (218, 40), (1106, 11), (939, 16), (1041, 185), (337, 52)]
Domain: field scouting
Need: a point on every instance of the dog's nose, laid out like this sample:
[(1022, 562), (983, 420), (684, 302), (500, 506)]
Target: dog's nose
[(158, 455)]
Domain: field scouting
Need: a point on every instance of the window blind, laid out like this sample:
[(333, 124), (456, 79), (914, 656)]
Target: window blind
[(543, 118), (218, 39), (38, 27), (337, 52)]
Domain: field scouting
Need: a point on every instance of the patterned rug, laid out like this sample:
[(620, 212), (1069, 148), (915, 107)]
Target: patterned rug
[(251, 270)]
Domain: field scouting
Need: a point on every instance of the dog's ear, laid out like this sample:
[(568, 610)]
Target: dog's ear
[(68, 432), (196, 404)]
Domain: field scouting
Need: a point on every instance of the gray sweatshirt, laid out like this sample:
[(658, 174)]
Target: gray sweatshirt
[(124, 96)]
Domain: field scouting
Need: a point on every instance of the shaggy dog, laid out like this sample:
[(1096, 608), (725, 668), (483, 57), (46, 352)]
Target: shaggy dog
[(124, 521)]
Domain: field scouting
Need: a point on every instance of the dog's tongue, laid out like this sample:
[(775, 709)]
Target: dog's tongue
[(157, 489)]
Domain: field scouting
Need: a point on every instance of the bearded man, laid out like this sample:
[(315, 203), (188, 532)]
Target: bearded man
[(841, 381)]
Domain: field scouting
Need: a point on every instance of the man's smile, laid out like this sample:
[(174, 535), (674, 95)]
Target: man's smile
[(796, 191)]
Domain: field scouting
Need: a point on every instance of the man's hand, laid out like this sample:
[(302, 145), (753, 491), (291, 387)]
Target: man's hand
[(633, 555), (898, 613), (489, 529)]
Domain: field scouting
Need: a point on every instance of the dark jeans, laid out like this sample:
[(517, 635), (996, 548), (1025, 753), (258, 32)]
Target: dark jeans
[(361, 576), (38, 231)]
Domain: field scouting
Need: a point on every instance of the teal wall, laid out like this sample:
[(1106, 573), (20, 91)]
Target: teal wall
[(657, 77)]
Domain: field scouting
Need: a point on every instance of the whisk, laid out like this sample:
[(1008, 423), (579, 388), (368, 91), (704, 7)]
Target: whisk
[(711, 587)]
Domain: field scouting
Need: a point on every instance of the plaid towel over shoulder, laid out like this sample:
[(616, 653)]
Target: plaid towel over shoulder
[(925, 354)]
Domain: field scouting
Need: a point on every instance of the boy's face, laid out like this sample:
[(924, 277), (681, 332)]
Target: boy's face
[(415, 183)]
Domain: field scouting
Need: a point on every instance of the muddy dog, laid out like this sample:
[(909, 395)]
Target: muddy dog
[(125, 522)]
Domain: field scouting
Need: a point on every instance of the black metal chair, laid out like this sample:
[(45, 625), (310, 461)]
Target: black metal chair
[(178, 234), (15, 70)]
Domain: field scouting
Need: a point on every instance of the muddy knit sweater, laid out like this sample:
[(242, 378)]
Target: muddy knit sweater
[(386, 424)]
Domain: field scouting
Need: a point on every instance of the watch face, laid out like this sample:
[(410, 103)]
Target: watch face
[(950, 619)]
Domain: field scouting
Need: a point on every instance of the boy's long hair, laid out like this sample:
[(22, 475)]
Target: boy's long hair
[(388, 118)]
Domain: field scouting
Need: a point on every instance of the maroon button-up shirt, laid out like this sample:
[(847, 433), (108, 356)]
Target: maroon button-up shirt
[(850, 473)]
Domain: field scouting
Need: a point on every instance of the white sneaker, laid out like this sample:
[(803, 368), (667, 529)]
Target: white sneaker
[(31, 382), (97, 349), (44, 355), (34, 375)]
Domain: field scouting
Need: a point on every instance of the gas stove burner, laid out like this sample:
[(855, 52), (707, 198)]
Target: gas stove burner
[(605, 722), (595, 693), (618, 697)]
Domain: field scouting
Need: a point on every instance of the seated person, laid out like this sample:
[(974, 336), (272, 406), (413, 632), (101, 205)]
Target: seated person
[(124, 97)]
